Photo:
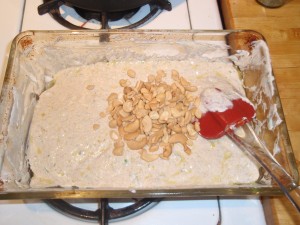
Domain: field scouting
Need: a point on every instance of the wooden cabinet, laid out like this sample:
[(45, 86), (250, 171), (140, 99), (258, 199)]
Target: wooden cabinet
[(281, 28)]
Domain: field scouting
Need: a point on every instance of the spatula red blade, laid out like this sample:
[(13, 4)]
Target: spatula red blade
[(215, 124)]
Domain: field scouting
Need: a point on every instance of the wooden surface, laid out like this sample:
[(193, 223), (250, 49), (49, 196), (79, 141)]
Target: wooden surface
[(281, 28)]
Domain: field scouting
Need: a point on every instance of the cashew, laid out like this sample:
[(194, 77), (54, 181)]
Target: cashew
[(161, 73), (112, 124), (144, 91), (128, 106), (116, 110), (118, 148), (157, 125), (136, 145), (184, 82), (151, 78), (153, 148), (96, 126), (167, 151), (153, 101), (154, 129), (124, 83), (197, 126), (187, 150), (165, 138), (148, 86), (123, 113), (154, 92), (118, 151), (172, 120), (181, 121), (114, 135), (176, 128), (168, 95), (186, 102), (147, 106), (138, 86), (175, 75), (153, 115), (131, 127), (102, 114), (119, 121), (179, 106), (130, 118), (187, 117), (184, 130), (190, 98), (164, 116), (114, 117), (161, 97), (127, 90), (154, 138), (112, 96), (140, 105), (172, 104), (179, 86), (90, 87), (178, 138), (147, 96), (193, 110), (191, 130), (159, 76), (198, 113), (148, 157), (121, 131), (191, 88), (147, 124), (118, 143), (189, 142), (131, 73), (175, 98), (116, 103), (139, 113), (161, 90), (173, 87), (197, 102), (154, 106), (131, 136), (131, 94), (176, 113), (193, 137)]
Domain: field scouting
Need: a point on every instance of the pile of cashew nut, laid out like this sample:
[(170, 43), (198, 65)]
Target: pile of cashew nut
[(152, 116)]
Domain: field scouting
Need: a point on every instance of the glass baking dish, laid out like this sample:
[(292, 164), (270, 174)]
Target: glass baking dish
[(36, 56)]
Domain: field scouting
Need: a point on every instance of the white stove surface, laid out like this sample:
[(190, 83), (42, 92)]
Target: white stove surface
[(185, 14), (191, 212)]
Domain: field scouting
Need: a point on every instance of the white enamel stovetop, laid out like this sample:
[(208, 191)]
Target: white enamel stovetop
[(21, 15)]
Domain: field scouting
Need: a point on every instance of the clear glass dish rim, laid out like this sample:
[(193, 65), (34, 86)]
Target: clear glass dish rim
[(74, 192)]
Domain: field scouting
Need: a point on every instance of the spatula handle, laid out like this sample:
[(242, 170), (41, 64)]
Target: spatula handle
[(249, 142)]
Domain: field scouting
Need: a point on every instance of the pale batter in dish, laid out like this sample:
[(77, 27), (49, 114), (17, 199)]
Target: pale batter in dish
[(70, 143)]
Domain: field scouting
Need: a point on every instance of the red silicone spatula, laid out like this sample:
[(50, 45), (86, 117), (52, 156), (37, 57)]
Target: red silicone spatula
[(214, 124)]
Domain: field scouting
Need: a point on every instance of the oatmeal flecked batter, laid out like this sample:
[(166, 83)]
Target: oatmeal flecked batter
[(70, 143)]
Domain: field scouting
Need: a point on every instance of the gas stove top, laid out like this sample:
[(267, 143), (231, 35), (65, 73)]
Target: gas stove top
[(124, 16), (167, 212), (185, 14)]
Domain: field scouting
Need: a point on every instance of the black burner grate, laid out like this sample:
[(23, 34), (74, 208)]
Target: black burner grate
[(156, 6), (105, 212)]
